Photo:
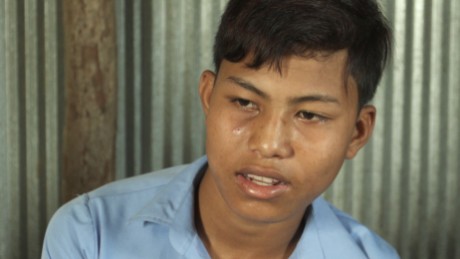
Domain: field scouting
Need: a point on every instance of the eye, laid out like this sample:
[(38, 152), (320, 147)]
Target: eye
[(244, 104), (310, 116)]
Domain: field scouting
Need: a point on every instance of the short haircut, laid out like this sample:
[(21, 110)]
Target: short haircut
[(271, 30)]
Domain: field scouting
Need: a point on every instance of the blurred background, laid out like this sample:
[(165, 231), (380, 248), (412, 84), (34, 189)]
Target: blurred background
[(97, 90)]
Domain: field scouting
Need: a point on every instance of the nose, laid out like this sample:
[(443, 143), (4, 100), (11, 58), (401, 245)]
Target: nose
[(271, 137)]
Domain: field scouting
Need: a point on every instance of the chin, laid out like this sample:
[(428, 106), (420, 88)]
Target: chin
[(268, 213)]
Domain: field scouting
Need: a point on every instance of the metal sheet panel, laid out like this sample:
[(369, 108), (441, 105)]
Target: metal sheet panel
[(4, 247), (29, 129), (409, 172), (11, 176), (163, 46)]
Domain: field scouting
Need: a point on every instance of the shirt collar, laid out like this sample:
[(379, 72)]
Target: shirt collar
[(173, 197), (173, 205), (325, 236)]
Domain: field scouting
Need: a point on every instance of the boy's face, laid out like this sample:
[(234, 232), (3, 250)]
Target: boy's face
[(276, 141)]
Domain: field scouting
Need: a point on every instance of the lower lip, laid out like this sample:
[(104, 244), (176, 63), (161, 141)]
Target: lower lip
[(258, 191)]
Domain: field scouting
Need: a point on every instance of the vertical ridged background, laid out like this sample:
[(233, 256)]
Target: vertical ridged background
[(30, 103), (163, 47), (405, 184)]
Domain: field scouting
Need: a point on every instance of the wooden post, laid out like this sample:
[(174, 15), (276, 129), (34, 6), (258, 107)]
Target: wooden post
[(90, 86)]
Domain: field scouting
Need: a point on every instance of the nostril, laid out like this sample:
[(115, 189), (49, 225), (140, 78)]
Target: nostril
[(271, 147), (270, 137)]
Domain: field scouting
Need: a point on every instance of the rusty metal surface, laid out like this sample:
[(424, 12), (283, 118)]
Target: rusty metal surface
[(91, 92)]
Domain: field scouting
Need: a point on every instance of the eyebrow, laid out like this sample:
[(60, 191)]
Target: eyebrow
[(248, 86), (295, 100), (314, 98)]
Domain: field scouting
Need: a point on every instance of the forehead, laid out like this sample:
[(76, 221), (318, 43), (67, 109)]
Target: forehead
[(317, 69), (317, 65), (321, 75)]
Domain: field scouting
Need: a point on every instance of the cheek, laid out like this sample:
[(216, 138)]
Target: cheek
[(224, 135), (225, 125), (323, 150), (325, 139), (238, 131)]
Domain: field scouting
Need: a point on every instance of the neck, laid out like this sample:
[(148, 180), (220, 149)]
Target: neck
[(226, 235)]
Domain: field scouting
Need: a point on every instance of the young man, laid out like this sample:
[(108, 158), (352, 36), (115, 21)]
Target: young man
[(285, 107)]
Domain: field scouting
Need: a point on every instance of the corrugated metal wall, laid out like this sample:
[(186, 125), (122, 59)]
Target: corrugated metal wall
[(404, 185), (163, 46), (30, 104), (406, 182)]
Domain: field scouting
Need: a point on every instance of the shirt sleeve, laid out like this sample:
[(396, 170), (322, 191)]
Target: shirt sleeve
[(71, 232)]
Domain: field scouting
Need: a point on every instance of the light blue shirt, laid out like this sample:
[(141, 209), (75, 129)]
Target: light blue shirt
[(151, 216)]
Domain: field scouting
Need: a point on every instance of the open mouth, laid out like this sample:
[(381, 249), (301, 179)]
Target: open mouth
[(266, 187), (262, 180)]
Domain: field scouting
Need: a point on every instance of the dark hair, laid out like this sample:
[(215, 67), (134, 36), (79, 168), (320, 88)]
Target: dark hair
[(271, 30)]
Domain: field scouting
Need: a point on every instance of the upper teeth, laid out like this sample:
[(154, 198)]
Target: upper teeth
[(261, 180)]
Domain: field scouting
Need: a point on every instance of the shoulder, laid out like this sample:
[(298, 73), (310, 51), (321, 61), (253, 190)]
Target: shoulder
[(73, 231), (370, 244), (140, 183), (69, 226)]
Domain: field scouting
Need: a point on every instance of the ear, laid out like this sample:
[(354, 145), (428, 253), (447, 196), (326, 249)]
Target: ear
[(363, 130), (206, 86)]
